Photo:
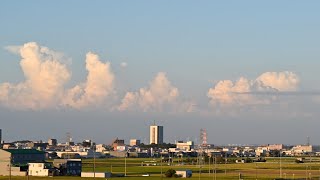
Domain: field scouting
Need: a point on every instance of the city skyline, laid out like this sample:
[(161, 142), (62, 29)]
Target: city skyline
[(245, 71)]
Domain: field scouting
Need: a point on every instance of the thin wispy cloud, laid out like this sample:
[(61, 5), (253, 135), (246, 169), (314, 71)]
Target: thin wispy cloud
[(281, 93), (123, 64)]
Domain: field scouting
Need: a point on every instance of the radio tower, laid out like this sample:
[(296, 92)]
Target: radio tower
[(68, 138), (202, 147), (203, 137)]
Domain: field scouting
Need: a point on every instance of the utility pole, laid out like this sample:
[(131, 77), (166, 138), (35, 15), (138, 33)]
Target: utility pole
[(10, 167), (215, 168), (125, 164), (209, 165), (280, 165), (225, 164), (94, 162), (256, 172), (161, 165)]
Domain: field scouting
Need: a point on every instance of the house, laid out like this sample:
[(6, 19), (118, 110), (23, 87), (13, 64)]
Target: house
[(118, 142), (41, 169), (184, 173), (16, 160), (69, 167)]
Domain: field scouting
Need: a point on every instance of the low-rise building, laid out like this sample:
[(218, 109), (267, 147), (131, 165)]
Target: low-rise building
[(301, 149), (52, 142), (41, 169), (134, 142), (16, 160), (185, 146), (69, 167), (100, 148), (275, 147), (117, 142), (184, 173)]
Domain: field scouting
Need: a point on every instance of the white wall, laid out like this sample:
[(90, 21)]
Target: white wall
[(97, 174), (37, 169)]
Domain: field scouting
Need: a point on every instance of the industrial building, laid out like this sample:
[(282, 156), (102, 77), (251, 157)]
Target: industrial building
[(185, 146), (15, 161)]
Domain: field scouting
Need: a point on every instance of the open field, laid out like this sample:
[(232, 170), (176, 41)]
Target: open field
[(268, 170)]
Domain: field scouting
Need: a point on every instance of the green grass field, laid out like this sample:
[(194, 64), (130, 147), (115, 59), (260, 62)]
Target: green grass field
[(268, 170)]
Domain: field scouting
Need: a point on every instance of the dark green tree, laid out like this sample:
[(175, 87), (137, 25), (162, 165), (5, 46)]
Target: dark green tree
[(170, 173)]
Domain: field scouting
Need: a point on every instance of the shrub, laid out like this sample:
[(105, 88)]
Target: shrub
[(170, 173)]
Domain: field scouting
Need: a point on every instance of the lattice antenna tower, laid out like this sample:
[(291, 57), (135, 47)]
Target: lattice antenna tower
[(68, 137), (203, 137)]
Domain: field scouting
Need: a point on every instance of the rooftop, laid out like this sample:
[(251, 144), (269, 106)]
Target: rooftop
[(24, 151)]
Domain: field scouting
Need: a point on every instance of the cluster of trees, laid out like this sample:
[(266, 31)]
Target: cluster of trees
[(172, 173), (157, 146)]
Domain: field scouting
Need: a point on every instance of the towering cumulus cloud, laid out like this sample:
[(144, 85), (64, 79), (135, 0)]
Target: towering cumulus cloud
[(242, 92), (282, 81), (45, 77), (99, 84), (159, 94)]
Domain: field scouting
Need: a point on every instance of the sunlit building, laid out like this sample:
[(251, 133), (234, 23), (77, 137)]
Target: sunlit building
[(156, 134)]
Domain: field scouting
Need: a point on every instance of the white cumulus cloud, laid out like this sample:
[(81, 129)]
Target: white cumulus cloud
[(159, 95), (282, 81), (98, 86), (241, 92), (45, 77)]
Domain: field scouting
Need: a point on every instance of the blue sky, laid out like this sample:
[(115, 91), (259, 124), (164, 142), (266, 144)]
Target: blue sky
[(197, 44)]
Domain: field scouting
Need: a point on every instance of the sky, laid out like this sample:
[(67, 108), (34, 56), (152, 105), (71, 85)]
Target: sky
[(246, 71)]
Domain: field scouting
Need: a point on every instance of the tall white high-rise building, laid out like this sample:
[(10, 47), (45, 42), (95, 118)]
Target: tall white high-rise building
[(156, 134)]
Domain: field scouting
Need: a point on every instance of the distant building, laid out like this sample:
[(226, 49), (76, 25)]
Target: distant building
[(301, 149), (134, 142), (100, 148), (87, 143), (52, 142), (117, 142), (68, 167), (186, 146), (41, 169), (156, 134), (8, 146), (37, 145), (89, 153), (275, 147)]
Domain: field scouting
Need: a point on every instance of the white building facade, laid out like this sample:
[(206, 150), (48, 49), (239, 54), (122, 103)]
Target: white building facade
[(39, 169), (156, 134)]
